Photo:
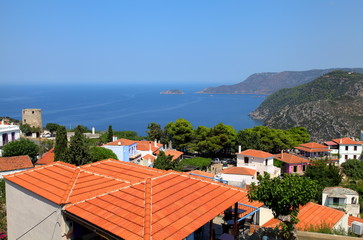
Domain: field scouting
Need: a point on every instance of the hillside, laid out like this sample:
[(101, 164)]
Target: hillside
[(329, 107), (268, 83)]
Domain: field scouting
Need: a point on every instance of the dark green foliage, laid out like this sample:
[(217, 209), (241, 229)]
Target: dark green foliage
[(78, 151), (180, 133), (61, 144), (164, 162), (109, 134), (248, 139), (21, 147), (52, 127), (200, 163), (27, 130), (284, 196), (155, 132), (200, 142), (3, 225), (84, 129), (353, 168), (12, 120), (326, 175), (101, 153), (223, 139), (45, 145)]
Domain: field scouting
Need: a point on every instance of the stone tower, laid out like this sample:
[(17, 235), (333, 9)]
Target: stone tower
[(33, 117)]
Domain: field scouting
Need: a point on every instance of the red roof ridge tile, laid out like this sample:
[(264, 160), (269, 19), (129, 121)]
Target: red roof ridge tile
[(148, 210), (70, 186)]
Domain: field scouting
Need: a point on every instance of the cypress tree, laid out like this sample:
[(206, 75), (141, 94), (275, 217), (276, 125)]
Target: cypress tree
[(61, 144), (78, 151), (109, 134)]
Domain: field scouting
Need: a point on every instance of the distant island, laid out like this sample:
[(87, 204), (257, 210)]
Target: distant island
[(331, 106), (172, 91), (270, 82)]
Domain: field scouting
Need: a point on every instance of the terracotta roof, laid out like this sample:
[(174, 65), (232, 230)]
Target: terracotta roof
[(149, 157), (312, 147), (256, 153), (345, 141), (239, 171), (354, 219), (202, 173), (147, 145), (175, 205), (47, 158), (121, 142), (290, 158), (15, 163), (312, 215), (176, 154)]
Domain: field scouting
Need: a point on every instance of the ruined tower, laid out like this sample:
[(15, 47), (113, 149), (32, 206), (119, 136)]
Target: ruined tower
[(33, 117)]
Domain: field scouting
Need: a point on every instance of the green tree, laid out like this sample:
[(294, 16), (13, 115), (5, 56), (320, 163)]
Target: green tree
[(154, 132), (21, 147), (326, 175), (181, 133), (25, 129), (52, 127), (61, 145), (101, 153), (223, 139), (78, 151), (164, 162), (284, 196), (353, 168), (201, 142), (109, 134), (248, 139), (200, 163)]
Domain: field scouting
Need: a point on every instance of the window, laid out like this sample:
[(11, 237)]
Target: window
[(304, 168), (354, 156), (32, 112), (295, 168), (354, 200), (13, 136), (335, 201), (246, 159), (355, 148), (345, 157), (266, 162), (346, 148)]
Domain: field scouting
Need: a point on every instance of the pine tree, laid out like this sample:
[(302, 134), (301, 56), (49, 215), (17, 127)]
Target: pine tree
[(61, 144), (109, 134), (78, 151)]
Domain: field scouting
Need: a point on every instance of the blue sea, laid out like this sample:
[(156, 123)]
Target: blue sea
[(128, 107)]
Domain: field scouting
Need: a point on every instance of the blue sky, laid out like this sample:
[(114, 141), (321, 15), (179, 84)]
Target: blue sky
[(205, 41)]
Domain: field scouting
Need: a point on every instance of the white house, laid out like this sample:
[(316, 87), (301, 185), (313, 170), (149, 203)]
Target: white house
[(239, 176), (8, 133), (342, 198), (125, 150), (259, 160), (346, 148)]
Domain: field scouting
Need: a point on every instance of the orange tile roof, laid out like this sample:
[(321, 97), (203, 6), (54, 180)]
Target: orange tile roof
[(345, 141), (354, 219), (290, 158), (149, 157), (312, 215), (176, 154), (148, 145), (121, 142), (132, 201), (47, 158), (15, 163), (256, 153), (312, 147), (177, 204), (202, 173), (239, 171)]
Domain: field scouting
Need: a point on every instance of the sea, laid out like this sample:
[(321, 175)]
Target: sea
[(128, 106)]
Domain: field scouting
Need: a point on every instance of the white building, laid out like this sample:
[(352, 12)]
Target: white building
[(239, 176), (342, 198), (345, 148), (259, 160), (8, 133)]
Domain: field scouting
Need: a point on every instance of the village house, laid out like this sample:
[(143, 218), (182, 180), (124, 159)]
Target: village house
[(345, 148), (125, 150), (343, 199), (112, 199), (258, 160), (11, 165), (8, 133), (313, 150), (239, 176), (292, 163)]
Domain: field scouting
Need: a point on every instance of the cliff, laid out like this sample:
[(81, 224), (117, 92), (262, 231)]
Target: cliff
[(329, 107), (268, 83)]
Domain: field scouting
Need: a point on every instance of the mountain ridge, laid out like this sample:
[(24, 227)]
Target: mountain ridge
[(269, 82)]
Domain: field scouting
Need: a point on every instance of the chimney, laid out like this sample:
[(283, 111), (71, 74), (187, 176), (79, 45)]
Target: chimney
[(149, 146), (93, 130), (114, 138), (155, 144), (239, 148), (282, 154), (2, 122)]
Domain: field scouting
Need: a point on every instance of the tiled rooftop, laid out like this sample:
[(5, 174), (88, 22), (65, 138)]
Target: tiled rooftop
[(313, 215), (15, 163), (47, 158), (176, 154), (290, 158), (239, 171), (346, 141), (256, 153)]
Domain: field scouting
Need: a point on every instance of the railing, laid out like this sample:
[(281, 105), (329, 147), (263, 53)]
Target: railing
[(337, 205)]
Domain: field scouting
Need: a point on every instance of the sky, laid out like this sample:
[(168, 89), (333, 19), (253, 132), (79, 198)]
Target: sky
[(209, 42)]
